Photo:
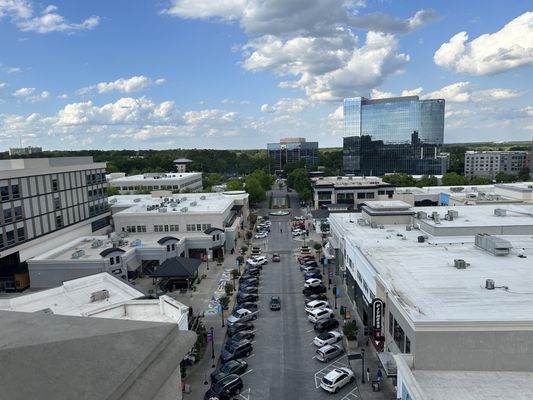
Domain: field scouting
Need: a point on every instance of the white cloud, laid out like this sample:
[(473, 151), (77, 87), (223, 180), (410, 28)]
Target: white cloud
[(461, 92), (22, 14), (286, 106), (122, 85), (510, 47), (29, 95)]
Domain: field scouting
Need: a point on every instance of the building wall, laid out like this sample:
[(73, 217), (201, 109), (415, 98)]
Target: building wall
[(487, 164), (472, 230)]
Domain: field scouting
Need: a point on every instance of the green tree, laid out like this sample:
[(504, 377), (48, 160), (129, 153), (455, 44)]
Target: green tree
[(289, 167), (299, 180), (399, 180), (427, 180), (254, 189), (524, 175), (112, 191), (502, 177), (476, 180), (234, 184), (454, 179)]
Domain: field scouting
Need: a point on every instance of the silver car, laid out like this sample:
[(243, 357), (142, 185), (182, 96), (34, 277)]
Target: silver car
[(329, 352), (241, 315)]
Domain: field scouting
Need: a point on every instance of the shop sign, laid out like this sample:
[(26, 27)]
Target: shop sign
[(377, 311)]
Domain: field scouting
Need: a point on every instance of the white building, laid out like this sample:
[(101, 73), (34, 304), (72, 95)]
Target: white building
[(448, 287), (488, 164), (174, 181), (43, 199)]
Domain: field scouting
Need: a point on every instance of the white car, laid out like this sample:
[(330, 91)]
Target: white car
[(298, 232), (241, 315), (327, 338), (257, 260), (336, 379), (320, 313), (313, 282), (315, 305), (261, 235)]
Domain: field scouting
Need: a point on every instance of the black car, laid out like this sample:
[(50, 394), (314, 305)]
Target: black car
[(314, 290), (239, 336), (326, 324), (237, 350), (317, 296), (275, 303), (248, 289), (240, 327), (246, 297), (245, 279), (236, 367), (251, 283), (254, 271), (248, 305), (225, 388), (309, 275)]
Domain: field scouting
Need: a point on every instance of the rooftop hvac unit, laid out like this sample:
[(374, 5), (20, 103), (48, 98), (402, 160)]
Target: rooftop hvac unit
[(500, 212), (166, 200), (173, 204), (489, 284), (408, 228), (78, 254), (99, 295), (136, 200), (184, 209), (373, 225), (162, 210), (96, 243), (184, 199), (493, 244), (421, 215), (436, 218), (421, 239), (193, 203), (361, 222), (460, 263), (202, 197)]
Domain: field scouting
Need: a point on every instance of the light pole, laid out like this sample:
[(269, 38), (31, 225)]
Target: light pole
[(212, 348), (335, 293), (222, 314), (362, 365)]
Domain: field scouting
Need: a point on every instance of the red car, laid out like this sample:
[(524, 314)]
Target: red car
[(308, 257), (276, 257)]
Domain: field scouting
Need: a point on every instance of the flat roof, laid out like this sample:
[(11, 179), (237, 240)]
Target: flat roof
[(387, 205), (475, 385), (170, 176), (190, 203), (74, 297), (425, 282), (348, 181), (38, 166)]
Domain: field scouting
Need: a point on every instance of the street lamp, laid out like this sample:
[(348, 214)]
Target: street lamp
[(222, 313), (212, 348), (335, 293), (362, 365)]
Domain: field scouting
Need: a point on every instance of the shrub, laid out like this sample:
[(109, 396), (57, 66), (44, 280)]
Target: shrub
[(350, 330), (228, 288), (224, 302)]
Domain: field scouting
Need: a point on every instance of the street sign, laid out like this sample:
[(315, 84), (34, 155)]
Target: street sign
[(338, 292), (209, 337), (331, 274), (356, 356), (237, 263)]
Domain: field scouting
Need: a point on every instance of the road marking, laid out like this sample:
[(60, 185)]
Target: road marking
[(247, 372), (310, 330), (351, 395), (253, 355), (245, 397), (328, 368)]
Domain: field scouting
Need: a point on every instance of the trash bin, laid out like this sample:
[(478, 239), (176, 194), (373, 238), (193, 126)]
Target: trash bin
[(375, 386)]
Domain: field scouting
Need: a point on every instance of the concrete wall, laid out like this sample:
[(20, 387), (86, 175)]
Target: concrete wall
[(473, 230), (474, 350)]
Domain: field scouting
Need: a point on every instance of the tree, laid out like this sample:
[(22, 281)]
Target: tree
[(289, 167), (502, 177), (427, 180), (234, 184), (299, 180), (112, 191), (524, 175), (454, 179), (255, 190), (399, 180)]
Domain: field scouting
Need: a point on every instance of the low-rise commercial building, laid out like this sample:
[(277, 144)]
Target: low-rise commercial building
[(488, 164), (448, 287), (153, 181)]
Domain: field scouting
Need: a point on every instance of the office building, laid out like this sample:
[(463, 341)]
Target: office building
[(444, 292), (24, 151), (291, 150), (488, 164), (153, 181), (395, 135), (43, 199)]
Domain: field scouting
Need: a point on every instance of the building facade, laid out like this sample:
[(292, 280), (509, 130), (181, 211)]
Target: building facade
[(402, 134), (291, 150), (175, 182), (488, 164), (43, 198), (24, 151)]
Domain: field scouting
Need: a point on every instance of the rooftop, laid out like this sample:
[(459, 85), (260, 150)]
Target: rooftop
[(156, 176), (423, 278), (35, 166), (349, 181)]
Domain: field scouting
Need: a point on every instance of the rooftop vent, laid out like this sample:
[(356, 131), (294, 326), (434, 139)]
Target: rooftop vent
[(202, 197), (421, 215), (78, 254), (489, 284), (162, 210), (184, 199), (136, 200), (500, 212), (493, 244), (460, 263), (193, 203), (184, 209), (96, 243), (99, 295)]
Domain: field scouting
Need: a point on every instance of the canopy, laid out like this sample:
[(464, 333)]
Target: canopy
[(178, 267)]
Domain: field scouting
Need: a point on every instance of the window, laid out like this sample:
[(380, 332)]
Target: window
[(117, 259), (391, 319), (4, 192), (15, 191), (399, 336), (166, 228), (199, 227), (174, 228), (55, 187), (21, 234), (10, 237), (18, 213), (57, 203), (361, 195), (407, 345), (168, 247), (59, 221), (112, 261), (1, 241), (173, 247), (8, 216), (141, 228)]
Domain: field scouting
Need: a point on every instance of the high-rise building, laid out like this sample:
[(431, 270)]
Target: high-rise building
[(42, 199), (400, 134), (291, 150)]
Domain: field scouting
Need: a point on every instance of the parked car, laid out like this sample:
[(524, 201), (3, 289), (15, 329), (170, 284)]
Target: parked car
[(311, 263), (276, 257), (249, 280), (326, 324), (275, 303), (298, 232), (313, 282), (329, 352), (240, 327), (236, 367), (248, 289), (306, 257), (248, 306), (313, 275), (246, 297), (225, 388), (334, 380), (242, 335), (261, 235), (312, 290), (252, 271), (237, 350), (241, 315), (260, 260), (325, 338), (315, 305), (320, 313), (317, 296), (310, 270)]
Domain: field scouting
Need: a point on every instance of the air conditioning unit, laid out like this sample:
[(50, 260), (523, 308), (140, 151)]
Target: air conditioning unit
[(460, 263), (162, 210), (489, 284), (202, 197), (500, 212), (136, 200), (193, 203), (184, 209), (99, 295)]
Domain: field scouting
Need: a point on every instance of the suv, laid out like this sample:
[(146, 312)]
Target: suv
[(236, 367), (326, 324), (314, 290), (320, 313), (316, 304), (242, 335), (237, 350), (225, 388), (329, 352), (248, 305), (336, 379), (246, 298), (240, 327)]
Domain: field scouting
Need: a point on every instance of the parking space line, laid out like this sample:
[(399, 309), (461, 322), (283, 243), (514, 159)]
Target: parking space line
[(245, 397), (310, 330), (250, 356), (351, 395), (247, 372)]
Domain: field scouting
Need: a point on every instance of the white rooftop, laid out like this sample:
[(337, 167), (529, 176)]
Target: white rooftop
[(160, 177), (475, 385), (74, 297), (388, 205), (347, 180), (423, 277), (201, 203)]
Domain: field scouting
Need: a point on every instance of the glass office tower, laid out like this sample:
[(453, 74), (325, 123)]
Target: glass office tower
[(401, 134), (291, 150)]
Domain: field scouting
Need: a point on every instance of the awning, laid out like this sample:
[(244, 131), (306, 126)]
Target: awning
[(389, 364), (177, 267)]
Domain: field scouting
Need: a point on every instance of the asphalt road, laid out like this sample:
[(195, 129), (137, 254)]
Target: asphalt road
[(282, 365)]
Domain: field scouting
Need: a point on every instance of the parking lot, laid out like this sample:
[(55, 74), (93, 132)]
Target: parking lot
[(283, 363)]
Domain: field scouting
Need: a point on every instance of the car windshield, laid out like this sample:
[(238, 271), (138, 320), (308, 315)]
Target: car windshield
[(324, 336), (227, 367), (219, 386), (327, 381)]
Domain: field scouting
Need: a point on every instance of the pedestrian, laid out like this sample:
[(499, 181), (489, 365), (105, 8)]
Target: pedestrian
[(368, 375), (379, 375)]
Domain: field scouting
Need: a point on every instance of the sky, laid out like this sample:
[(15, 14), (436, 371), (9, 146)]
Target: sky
[(238, 74)]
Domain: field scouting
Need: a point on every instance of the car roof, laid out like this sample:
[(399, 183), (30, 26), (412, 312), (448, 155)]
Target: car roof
[(229, 378), (335, 373)]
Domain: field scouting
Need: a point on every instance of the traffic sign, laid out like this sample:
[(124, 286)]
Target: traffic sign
[(331, 274), (209, 337)]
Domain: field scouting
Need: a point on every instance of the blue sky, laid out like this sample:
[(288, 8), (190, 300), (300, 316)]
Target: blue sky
[(241, 73)]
